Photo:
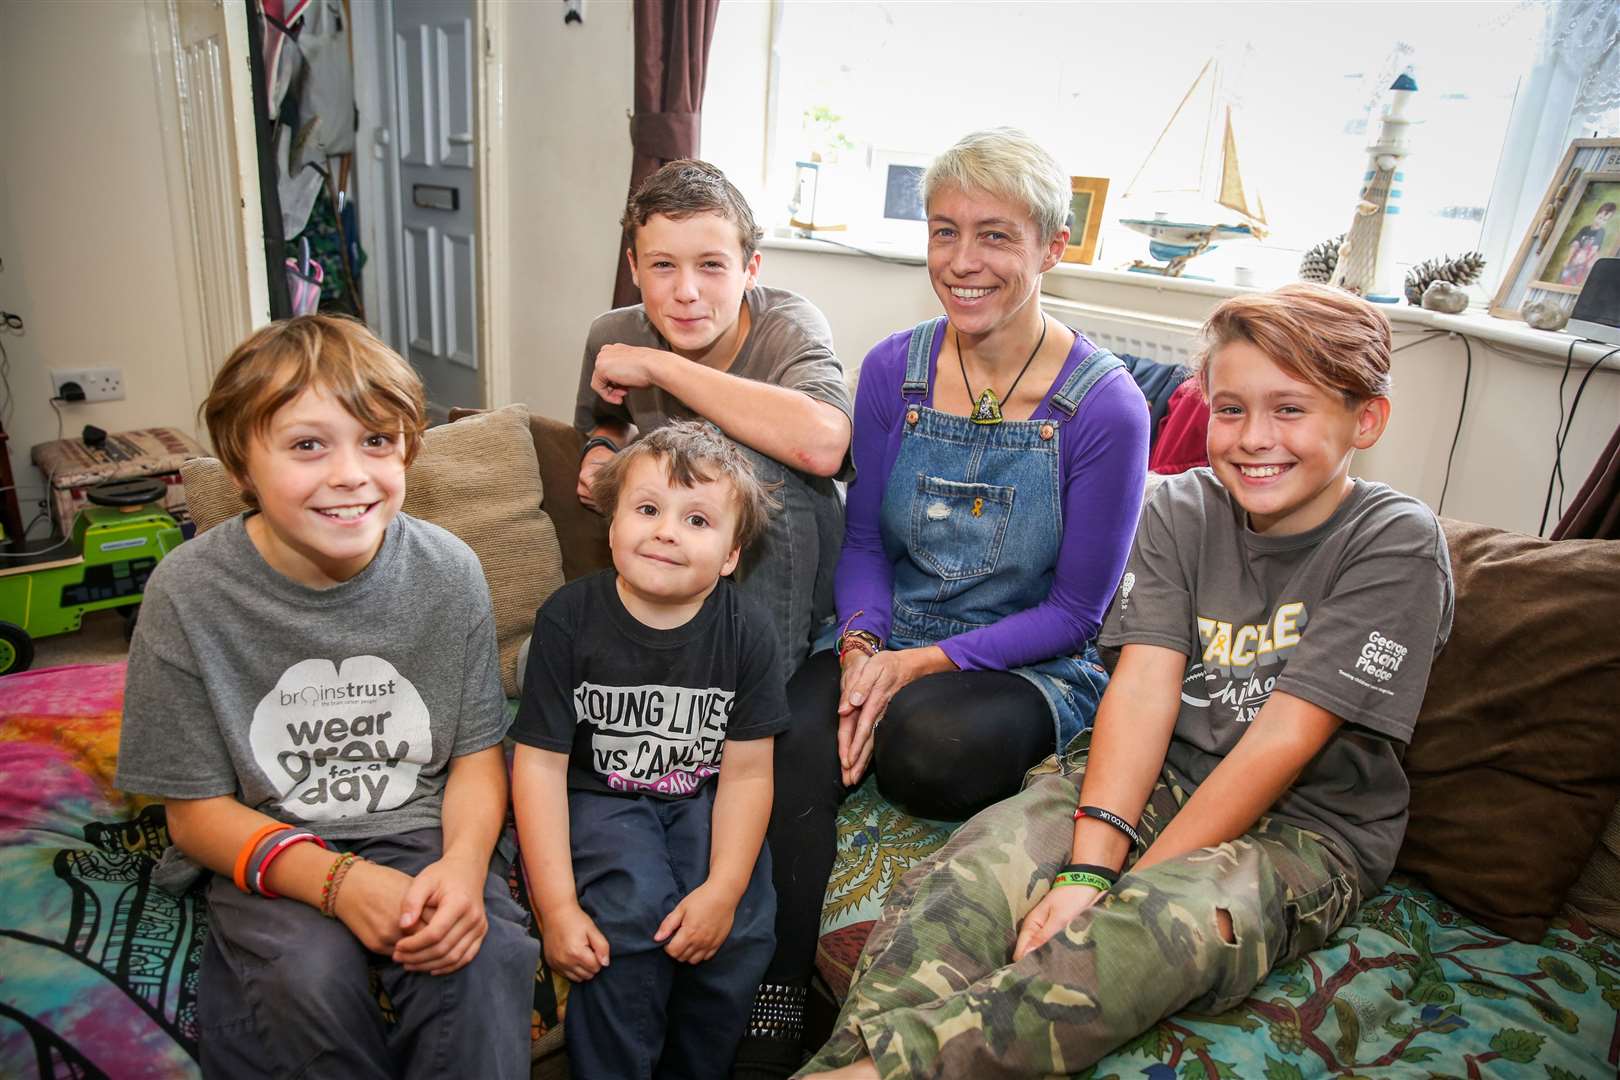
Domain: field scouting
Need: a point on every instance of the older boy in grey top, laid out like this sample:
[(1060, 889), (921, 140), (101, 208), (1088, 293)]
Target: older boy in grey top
[(709, 342)]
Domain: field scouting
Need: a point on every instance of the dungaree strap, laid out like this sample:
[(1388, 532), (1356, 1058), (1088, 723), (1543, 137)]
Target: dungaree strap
[(1082, 379), (918, 353)]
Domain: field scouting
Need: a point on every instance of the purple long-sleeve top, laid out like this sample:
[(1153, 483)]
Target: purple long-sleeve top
[(1103, 464)]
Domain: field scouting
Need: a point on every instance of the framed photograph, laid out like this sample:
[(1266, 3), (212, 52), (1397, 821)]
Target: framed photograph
[(1577, 223), (895, 214), (1086, 197), (902, 192), (1587, 231), (802, 208)]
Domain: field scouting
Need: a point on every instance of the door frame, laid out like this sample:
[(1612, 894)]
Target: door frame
[(211, 168), (370, 28)]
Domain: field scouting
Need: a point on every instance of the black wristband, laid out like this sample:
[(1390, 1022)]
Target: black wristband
[(1112, 876), (1111, 818), (597, 440)]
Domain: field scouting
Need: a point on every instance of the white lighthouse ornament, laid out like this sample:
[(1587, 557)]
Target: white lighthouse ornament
[(1367, 257)]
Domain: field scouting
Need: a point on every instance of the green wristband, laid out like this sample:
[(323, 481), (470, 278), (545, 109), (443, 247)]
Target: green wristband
[(1080, 877)]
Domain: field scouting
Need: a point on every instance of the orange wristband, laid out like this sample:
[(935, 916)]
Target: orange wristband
[(243, 856)]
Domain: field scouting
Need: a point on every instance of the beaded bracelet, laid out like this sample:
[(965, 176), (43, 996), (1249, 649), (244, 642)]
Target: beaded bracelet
[(863, 640), (262, 872), (239, 874), (334, 881), (1110, 818)]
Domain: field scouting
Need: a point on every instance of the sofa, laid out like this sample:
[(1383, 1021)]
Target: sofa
[(1494, 952)]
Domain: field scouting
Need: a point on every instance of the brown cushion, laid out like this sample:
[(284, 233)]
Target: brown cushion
[(477, 478), (581, 531), (1515, 763)]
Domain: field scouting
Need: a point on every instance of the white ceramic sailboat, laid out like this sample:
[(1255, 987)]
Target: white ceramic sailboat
[(1193, 210)]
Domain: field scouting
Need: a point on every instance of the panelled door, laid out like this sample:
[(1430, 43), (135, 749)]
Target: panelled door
[(436, 101)]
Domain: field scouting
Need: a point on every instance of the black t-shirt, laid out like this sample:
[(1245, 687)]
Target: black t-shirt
[(643, 711)]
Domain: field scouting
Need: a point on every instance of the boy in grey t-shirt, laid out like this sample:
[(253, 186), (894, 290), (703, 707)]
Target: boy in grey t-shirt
[(708, 341), (314, 692), (1242, 788)]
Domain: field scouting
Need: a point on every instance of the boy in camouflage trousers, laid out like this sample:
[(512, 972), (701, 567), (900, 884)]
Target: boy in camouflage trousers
[(1276, 621)]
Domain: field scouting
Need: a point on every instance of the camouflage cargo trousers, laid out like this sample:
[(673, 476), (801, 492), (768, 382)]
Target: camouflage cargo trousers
[(934, 994)]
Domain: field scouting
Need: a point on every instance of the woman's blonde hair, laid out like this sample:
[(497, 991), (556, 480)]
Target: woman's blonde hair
[(282, 360), (1007, 163)]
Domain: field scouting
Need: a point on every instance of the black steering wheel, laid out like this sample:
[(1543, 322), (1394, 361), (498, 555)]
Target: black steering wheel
[(127, 492)]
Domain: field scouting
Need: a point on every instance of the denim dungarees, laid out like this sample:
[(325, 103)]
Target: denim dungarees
[(972, 521)]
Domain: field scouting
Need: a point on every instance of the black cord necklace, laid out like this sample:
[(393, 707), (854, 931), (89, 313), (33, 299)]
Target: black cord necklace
[(987, 410)]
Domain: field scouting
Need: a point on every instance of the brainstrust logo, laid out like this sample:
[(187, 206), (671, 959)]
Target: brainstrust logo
[(332, 695)]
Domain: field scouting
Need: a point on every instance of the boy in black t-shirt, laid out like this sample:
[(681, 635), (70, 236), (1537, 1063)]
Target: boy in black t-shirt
[(643, 683)]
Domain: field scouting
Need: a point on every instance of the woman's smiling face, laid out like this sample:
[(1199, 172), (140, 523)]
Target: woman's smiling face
[(985, 258)]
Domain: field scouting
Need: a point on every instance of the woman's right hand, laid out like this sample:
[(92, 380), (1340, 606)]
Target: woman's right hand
[(855, 723)]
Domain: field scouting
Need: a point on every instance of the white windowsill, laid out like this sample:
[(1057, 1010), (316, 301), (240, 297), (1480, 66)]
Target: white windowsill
[(1528, 344)]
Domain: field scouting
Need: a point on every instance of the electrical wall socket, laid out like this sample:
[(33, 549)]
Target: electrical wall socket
[(98, 384)]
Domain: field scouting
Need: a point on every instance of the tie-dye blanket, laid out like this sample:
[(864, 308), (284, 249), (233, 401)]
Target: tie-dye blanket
[(98, 966)]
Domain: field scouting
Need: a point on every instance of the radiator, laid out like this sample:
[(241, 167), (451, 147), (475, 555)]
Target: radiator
[(1124, 332)]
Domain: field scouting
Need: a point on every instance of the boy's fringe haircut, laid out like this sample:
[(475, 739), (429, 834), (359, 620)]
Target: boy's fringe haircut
[(1332, 339), (685, 187), (694, 452), (331, 353)]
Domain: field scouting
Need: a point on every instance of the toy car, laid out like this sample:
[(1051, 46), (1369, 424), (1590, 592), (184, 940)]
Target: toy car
[(117, 541)]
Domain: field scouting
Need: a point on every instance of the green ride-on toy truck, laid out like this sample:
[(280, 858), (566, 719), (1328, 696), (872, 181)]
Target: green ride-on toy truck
[(116, 542)]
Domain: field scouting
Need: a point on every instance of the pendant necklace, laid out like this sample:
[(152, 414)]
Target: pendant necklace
[(987, 410)]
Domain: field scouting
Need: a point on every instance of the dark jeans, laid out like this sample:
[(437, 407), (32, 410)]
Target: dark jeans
[(645, 1014), (284, 990), (948, 746)]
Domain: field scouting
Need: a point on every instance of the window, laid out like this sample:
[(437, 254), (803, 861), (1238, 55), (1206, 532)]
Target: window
[(863, 85)]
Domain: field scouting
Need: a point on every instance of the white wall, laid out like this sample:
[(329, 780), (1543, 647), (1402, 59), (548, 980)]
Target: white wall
[(85, 230), (567, 94)]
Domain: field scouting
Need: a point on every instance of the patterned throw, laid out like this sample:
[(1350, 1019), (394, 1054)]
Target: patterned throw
[(1411, 988), (98, 967)]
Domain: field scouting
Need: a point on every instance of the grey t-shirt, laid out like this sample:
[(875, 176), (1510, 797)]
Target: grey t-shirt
[(1348, 616), (789, 344), (338, 708)]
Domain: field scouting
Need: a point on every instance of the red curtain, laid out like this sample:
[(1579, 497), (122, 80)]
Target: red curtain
[(672, 62), (1595, 514)]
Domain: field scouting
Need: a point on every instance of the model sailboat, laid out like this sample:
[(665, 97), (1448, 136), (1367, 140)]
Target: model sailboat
[(1195, 207)]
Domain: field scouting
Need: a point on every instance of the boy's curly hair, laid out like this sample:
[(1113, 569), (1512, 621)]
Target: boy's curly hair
[(694, 452)]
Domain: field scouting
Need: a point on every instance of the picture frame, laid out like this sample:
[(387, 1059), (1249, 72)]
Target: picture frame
[(1587, 230), (893, 211), (1087, 195), (806, 181), (1564, 236)]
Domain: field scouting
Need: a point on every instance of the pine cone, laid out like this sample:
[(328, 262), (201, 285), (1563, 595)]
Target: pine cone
[(1320, 261), (1465, 269)]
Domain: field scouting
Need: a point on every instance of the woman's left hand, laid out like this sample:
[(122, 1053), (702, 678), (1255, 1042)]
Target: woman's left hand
[(869, 684)]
